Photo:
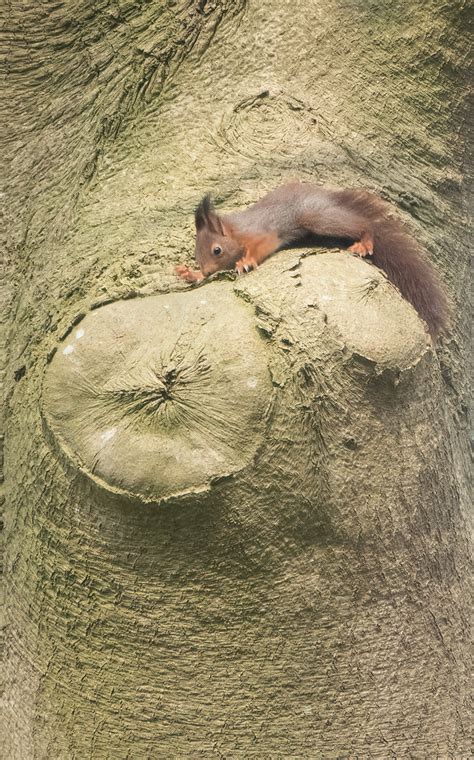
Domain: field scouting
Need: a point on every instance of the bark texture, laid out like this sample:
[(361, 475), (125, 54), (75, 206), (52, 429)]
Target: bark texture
[(236, 515)]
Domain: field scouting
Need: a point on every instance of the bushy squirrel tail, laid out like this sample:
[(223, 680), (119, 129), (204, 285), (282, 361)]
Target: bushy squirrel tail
[(402, 259)]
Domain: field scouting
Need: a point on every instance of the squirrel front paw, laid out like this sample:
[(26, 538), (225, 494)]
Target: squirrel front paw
[(187, 274), (246, 264)]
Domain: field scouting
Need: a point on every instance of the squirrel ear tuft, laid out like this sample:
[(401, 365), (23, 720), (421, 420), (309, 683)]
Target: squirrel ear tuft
[(205, 216), (203, 212)]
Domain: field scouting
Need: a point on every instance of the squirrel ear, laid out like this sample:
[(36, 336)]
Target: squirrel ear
[(215, 224), (205, 216), (202, 213)]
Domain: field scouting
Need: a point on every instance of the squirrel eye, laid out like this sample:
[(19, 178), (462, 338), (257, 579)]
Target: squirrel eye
[(217, 250)]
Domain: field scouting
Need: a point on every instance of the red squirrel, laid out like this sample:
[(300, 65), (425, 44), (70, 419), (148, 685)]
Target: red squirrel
[(294, 211)]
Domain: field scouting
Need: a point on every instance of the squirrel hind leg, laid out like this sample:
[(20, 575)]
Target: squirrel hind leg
[(363, 247), (341, 223)]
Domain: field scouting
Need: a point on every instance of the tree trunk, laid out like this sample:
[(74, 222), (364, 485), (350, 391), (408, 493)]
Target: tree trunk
[(236, 518)]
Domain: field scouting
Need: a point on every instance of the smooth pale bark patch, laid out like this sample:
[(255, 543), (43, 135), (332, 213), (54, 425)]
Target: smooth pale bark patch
[(159, 396), (360, 308)]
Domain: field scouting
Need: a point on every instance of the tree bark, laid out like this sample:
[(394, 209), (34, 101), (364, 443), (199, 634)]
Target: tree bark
[(236, 515)]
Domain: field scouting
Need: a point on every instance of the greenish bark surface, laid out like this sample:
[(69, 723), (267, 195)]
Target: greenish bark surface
[(236, 514)]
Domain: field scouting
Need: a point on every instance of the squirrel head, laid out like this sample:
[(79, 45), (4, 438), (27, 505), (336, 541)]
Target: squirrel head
[(215, 248)]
